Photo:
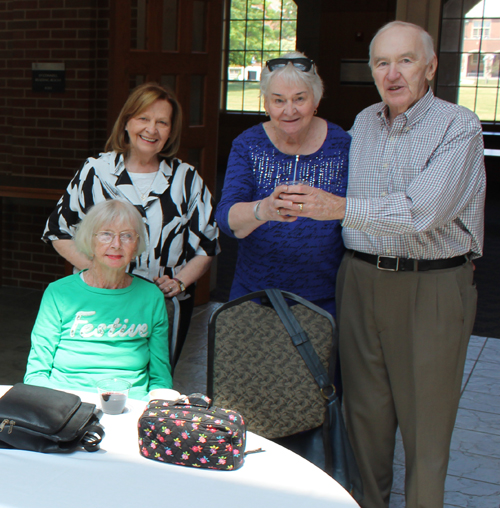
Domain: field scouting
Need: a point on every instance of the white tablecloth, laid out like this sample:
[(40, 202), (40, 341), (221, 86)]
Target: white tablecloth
[(118, 476)]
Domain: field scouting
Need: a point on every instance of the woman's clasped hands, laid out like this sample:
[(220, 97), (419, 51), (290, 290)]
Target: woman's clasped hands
[(271, 208)]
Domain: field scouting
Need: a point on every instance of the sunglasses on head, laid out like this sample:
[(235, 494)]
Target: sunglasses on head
[(303, 64)]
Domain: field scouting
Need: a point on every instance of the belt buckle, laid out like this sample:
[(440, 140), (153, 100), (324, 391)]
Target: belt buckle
[(388, 269)]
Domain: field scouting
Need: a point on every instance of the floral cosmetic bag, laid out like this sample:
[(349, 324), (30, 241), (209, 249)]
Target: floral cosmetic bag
[(191, 432)]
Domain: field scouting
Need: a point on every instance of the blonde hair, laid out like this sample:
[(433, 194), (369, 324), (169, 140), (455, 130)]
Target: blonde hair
[(140, 99)]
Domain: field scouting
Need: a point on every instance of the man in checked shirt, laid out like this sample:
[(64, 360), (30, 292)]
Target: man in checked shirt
[(413, 222)]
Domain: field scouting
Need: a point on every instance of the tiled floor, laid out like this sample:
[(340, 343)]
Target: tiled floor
[(474, 472)]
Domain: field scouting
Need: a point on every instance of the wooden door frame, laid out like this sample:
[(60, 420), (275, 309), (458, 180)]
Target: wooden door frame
[(151, 62)]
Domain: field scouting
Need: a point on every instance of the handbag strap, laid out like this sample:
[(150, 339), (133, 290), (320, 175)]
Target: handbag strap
[(94, 433), (304, 346)]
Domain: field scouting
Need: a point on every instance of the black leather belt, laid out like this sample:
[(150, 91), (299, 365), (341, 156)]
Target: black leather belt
[(395, 264)]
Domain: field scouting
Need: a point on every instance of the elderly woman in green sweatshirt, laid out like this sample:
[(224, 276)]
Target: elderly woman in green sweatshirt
[(103, 322)]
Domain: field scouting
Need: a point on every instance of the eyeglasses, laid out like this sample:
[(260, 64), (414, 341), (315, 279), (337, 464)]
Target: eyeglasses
[(303, 64), (109, 236)]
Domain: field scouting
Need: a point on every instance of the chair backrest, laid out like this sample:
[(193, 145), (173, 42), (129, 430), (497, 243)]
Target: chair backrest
[(254, 368), (173, 310)]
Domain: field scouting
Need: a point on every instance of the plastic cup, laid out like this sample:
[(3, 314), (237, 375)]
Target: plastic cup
[(294, 182), (113, 394), (164, 394)]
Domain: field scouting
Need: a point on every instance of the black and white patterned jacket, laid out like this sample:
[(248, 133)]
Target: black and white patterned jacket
[(178, 213)]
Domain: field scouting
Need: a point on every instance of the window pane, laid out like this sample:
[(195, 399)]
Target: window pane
[(251, 97), (236, 58), (238, 9), (254, 35), (252, 59), (452, 9), (235, 73), (491, 9), (237, 34), (289, 10), (495, 67), (486, 103), (467, 97), (269, 55), (490, 69), (234, 96), (138, 21), (169, 31), (270, 10), (451, 35), (271, 39), (471, 68), (255, 10), (199, 25), (288, 34)]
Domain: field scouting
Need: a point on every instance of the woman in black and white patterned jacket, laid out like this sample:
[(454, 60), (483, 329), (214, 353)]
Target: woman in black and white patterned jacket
[(139, 166)]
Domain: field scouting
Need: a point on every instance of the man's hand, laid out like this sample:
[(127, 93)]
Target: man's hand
[(305, 201)]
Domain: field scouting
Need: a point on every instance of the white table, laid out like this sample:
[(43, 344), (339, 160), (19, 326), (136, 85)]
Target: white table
[(118, 476)]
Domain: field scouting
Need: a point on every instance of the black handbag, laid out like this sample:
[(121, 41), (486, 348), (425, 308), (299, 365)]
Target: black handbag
[(339, 460), (191, 432), (45, 420)]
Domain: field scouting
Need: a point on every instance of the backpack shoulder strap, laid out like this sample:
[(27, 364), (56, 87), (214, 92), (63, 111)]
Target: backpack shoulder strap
[(302, 343)]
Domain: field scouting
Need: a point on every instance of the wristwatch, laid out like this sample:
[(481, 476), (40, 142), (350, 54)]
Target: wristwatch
[(181, 284)]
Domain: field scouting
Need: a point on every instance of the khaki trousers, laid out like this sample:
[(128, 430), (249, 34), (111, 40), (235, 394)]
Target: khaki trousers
[(403, 343)]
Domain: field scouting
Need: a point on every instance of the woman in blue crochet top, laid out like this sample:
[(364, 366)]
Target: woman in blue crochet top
[(284, 244)]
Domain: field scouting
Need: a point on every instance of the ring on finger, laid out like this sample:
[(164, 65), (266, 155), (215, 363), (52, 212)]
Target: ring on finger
[(278, 211), (301, 206)]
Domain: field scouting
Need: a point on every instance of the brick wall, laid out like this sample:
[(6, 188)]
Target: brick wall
[(26, 260), (45, 137)]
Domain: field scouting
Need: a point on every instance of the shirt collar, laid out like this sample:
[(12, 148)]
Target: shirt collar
[(413, 114), (119, 161), (119, 164)]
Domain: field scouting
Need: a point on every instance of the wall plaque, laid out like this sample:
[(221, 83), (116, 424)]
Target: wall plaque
[(355, 72), (48, 77)]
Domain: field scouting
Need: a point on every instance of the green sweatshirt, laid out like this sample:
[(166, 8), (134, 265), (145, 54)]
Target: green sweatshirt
[(83, 334)]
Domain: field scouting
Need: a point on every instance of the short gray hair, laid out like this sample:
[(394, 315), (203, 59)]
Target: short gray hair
[(427, 41), (291, 74), (103, 214)]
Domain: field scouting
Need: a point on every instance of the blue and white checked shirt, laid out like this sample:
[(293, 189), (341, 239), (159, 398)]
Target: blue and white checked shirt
[(417, 187)]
